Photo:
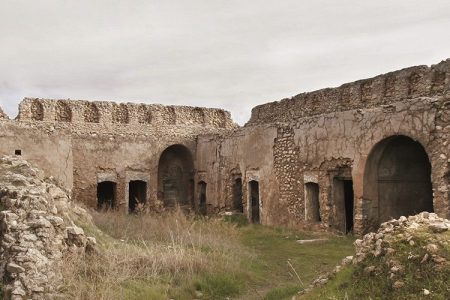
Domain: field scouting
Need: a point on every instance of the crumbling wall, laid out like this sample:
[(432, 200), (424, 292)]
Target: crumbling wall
[(319, 140), (37, 231), (381, 90), (123, 114), (3, 116)]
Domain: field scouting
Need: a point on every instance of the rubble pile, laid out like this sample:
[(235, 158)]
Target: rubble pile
[(421, 241), (424, 237), (37, 231)]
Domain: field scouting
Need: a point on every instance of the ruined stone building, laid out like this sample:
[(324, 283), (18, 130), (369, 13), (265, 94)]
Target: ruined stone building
[(345, 158)]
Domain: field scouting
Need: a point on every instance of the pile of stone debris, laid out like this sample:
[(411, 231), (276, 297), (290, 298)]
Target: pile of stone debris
[(425, 235), (37, 231)]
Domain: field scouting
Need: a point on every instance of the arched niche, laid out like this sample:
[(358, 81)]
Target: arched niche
[(397, 179), (175, 175), (63, 112)]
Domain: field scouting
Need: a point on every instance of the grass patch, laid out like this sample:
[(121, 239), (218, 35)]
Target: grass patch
[(285, 292), (239, 220), (353, 283), (174, 256)]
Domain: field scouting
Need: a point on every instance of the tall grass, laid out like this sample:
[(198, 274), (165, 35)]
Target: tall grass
[(162, 256)]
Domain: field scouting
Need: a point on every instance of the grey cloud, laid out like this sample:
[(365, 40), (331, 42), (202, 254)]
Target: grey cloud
[(222, 53)]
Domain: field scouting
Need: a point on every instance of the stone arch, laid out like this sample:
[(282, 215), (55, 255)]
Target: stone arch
[(37, 110), (63, 112), (144, 114), (170, 117), (397, 179), (222, 119), (389, 85), (120, 114), (91, 113), (414, 81), (198, 116), (438, 84), (366, 90), (175, 174), (345, 93)]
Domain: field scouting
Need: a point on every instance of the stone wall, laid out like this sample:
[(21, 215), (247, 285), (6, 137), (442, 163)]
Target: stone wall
[(292, 142), (318, 137), (381, 90), (41, 144), (37, 232), (123, 114)]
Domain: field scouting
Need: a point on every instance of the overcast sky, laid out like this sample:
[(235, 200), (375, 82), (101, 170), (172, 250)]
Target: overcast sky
[(232, 54)]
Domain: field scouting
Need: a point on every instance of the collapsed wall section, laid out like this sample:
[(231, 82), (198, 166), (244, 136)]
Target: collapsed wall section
[(381, 90), (37, 232)]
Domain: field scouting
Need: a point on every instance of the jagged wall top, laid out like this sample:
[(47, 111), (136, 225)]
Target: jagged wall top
[(3, 116), (102, 112), (380, 90)]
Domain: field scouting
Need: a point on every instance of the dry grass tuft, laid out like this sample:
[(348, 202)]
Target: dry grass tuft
[(156, 252)]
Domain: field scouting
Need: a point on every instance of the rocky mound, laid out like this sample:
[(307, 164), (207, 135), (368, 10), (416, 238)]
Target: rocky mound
[(408, 258), (422, 240), (37, 231)]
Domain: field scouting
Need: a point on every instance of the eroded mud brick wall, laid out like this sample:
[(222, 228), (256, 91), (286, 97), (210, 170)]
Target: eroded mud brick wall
[(122, 142), (41, 145), (326, 135)]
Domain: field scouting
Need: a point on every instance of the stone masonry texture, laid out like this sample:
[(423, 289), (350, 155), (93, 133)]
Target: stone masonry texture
[(345, 140)]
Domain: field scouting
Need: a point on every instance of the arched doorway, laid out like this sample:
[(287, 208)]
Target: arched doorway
[(175, 175), (397, 179)]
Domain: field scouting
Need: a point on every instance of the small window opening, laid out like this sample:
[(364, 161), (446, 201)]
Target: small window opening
[(18, 152)]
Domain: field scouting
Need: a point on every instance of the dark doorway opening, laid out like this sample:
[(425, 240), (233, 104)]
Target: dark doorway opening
[(202, 197), (397, 179), (237, 195), (175, 175), (254, 201), (137, 192), (192, 192), (312, 202), (106, 195), (343, 203), (348, 198)]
